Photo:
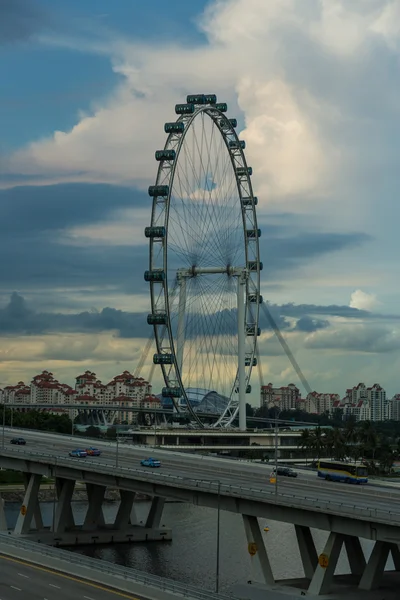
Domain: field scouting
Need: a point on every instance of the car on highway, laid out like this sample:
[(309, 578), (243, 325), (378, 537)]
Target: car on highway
[(150, 462), (285, 472), (93, 452), (78, 453), (19, 441)]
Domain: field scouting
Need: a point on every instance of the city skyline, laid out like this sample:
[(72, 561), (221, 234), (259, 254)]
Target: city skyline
[(88, 90)]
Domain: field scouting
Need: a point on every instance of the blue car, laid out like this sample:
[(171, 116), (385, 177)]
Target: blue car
[(78, 453), (150, 462)]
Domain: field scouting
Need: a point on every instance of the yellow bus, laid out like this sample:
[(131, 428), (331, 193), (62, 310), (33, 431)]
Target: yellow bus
[(342, 471)]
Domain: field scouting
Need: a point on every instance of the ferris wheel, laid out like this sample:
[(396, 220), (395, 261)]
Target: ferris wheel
[(204, 268)]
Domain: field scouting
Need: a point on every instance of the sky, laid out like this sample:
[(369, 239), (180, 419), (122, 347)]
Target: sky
[(86, 89)]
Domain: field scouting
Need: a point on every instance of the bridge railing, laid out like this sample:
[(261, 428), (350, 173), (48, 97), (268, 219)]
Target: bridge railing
[(350, 508), (146, 579)]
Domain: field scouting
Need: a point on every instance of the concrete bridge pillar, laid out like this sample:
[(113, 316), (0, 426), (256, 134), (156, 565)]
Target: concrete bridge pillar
[(37, 513), (373, 572), (30, 508), (355, 555), (155, 512), (3, 520), (126, 512), (64, 518), (254, 536), (323, 575), (308, 552), (94, 516)]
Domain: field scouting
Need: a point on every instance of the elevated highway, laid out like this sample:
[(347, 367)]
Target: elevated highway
[(347, 512)]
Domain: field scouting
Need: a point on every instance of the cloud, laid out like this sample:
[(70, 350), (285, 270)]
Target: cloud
[(308, 324), (363, 301), (282, 110), (20, 19), (362, 338), (18, 318)]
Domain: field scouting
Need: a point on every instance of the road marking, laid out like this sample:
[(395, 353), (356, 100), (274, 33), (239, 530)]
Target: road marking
[(109, 590), (15, 588), (88, 598), (56, 586), (22, 575)]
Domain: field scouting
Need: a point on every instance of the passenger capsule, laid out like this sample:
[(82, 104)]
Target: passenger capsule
[(163, 359), (251, 330), (221, 106), (233, 122), (154, 276), (184, 109), (244, 171), (248, 201), (237, 144), (171, 392), (210, 98), (175, 127), (154, 232), (248, 362), (253, 265), (247, 391), (253, 233), (196, 99), (255, 298), (165, 154), (157, 319), (158, 190)]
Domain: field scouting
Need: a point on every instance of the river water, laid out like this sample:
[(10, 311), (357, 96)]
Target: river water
[(191, 555)]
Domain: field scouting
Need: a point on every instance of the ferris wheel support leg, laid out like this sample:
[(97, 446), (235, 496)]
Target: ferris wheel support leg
[(180, 340), (241, 353)]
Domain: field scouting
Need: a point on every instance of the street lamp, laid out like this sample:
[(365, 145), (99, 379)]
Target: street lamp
[(218, 529), (116, 457), (277, 413), (4, 422)]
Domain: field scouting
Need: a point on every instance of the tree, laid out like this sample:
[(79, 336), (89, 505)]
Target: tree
[(317, 441), (249, 410), (335, 443)]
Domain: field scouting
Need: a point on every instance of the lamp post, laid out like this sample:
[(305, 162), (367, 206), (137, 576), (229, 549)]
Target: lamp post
[(218, 530), (116, 456), (4, 423), (277, 413)]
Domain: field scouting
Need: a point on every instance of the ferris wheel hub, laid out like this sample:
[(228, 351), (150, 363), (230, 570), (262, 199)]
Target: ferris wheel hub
[(229, 270)]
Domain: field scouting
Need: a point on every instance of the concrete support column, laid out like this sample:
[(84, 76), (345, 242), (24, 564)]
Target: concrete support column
[(124, 514), (3, 520), (308, 552), (94, 516), (254, 536), (37, 513), (155, 512), (355, 555), (29, 506), (64, 518), (376, 565), (396, 556), (323, 576)]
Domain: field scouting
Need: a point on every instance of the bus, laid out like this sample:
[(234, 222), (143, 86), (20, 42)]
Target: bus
[(342, 471)]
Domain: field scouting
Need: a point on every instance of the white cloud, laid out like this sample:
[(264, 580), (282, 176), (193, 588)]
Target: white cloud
[(363, 300), (290, 154)]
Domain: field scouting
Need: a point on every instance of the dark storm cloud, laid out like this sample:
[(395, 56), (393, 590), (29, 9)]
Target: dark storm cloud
[(20, 19), (282, 251), (17, 318), (309, 324), (33, 219)]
